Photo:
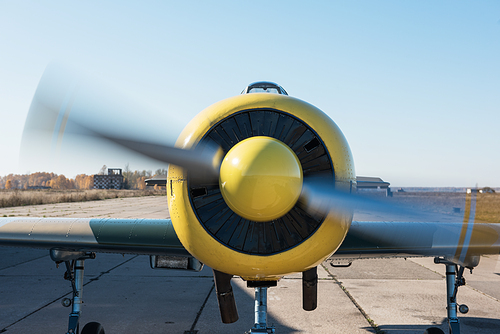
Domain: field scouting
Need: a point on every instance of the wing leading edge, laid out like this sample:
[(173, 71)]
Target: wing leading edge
[(457, 242), (454, 241), (135, 236)]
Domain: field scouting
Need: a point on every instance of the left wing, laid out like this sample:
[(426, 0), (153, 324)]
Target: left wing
[(136, 236)]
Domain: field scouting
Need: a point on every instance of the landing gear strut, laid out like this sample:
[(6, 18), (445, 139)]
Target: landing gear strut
[(74, 262), (454, 280), (74, 273), (260, 325)]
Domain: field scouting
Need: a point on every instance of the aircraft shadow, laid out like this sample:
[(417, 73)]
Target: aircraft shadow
[(467, 325), (209, 321)]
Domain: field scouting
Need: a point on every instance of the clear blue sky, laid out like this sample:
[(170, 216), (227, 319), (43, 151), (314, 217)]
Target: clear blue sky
[(414, 86)]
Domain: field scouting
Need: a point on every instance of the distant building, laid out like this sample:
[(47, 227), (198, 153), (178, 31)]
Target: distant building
[(114, 179), (160, 180), (487, 190), (365, 182), (373, 183)]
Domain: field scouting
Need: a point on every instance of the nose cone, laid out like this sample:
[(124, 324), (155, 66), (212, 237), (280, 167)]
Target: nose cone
[(261, 178)]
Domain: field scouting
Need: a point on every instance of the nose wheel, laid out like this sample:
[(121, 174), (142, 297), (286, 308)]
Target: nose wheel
[(93, 328)]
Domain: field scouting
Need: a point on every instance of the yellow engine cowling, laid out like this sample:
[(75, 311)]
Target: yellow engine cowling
[(260, 250)]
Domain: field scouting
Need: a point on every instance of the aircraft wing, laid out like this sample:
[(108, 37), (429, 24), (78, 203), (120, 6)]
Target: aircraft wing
[(135, 236), (365, 239), (461, 243)]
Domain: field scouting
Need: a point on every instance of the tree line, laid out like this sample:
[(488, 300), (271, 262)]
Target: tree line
[(44, 180), (137, 179)]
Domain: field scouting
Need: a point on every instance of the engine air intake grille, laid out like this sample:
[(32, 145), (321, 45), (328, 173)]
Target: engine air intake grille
[(261, 238)]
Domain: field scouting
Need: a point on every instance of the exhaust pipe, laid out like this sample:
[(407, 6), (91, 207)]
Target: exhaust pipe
[(310, 289), (225, 297)]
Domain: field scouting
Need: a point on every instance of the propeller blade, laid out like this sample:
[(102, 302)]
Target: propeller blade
[(207, 159), (70, 110), (320, 199)]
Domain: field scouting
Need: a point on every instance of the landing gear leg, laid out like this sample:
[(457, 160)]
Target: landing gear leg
[(454, 280), (260, 325), (451, 297), (76, 279), (74, 262)]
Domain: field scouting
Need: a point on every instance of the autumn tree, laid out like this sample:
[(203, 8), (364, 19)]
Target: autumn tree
[(14, 181), (84, 181), (61, 182), (132, 180), (25, 181), (141, 183), (38, 179), (89, 182), (136, 179)]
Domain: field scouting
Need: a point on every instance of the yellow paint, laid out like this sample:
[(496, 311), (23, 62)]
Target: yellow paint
[(304, 256), (484, 240), (465, 223), (261, 178), (484, 235)]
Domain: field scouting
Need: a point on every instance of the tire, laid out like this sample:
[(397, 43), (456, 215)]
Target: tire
[(93, 328), (433, 330)]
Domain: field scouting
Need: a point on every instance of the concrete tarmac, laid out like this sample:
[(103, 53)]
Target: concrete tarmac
[(126, 296)]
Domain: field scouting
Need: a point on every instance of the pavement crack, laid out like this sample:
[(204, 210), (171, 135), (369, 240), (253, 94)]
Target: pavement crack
[(192, 329), (19, 263), (96, 278), (353, 300), (478, 291), (432, 270), (300, 278)]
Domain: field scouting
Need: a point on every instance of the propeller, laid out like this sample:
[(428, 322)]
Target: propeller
[(71, 108), (320, 198)]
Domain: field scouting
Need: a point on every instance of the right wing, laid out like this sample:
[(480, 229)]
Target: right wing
[(460, 243)]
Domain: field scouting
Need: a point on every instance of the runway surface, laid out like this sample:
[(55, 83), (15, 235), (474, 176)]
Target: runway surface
[(126, 296)]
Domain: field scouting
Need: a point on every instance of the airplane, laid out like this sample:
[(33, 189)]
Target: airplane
[(259, 186)]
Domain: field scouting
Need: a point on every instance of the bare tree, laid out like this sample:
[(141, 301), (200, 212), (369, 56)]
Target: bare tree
[(103, 169)]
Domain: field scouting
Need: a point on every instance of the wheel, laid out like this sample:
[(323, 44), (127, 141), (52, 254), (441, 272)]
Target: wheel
[(93, 328), (463, 308), (66, 302), (433, 330)]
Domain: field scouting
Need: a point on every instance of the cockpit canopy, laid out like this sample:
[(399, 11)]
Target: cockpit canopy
[(264, 87)]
